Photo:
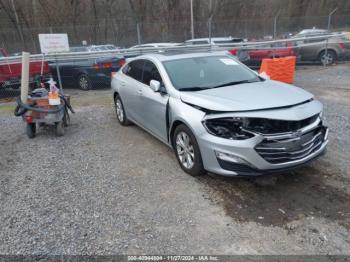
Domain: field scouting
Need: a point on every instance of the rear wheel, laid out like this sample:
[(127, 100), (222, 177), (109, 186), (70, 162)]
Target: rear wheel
[(329, 58), (120, 112), (31, 130), (84, 82), (187, 151), (60, 128)]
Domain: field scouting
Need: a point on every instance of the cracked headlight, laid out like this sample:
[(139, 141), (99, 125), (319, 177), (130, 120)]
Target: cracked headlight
[(230, 128)]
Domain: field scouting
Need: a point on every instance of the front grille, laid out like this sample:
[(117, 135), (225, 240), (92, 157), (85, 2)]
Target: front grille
[(290, 149), (273, 126)]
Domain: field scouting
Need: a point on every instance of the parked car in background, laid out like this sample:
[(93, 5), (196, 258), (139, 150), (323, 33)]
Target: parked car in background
[(314, 49), (311, 32), (87, 73), (10, 72), (270, 50), (213, 41), (154, 45), (93, 48), (241, 54), (218, 115), (103, 48)]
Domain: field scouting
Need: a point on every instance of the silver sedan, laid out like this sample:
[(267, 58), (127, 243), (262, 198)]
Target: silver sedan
[(218, 115)]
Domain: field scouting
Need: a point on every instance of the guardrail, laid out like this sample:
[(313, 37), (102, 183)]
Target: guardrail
[(66, 56)]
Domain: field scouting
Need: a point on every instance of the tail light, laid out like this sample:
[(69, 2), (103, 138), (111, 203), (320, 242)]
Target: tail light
[(342, 45), (29, 119), (121, 62), (107, 65), (103, 65), (233, 51), (113, 74)]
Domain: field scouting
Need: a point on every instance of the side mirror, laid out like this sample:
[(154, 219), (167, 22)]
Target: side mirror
[(154, 85)]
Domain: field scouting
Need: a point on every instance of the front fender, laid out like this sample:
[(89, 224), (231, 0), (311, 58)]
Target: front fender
[(186, 114)]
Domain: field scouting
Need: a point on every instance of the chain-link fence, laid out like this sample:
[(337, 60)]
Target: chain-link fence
[(92, 68), (128, 33)]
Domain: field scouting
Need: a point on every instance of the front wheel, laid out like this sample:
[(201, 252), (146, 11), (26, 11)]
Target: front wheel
[(187, 151)]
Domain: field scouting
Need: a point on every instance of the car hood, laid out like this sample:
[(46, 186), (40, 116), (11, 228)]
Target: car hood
[(266, 94)]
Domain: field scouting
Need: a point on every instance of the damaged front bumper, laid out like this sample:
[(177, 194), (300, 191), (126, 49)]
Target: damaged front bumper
[(264, 154)]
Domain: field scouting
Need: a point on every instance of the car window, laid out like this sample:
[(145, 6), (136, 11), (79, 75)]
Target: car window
[(150, 72), (280, 44), (206, 72), (111, 47), (314, 40), (134, 69), (235, 40), (202, 42), (78, 49)]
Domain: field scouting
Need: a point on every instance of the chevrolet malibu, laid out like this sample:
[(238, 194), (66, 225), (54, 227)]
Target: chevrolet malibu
[(218, 115)]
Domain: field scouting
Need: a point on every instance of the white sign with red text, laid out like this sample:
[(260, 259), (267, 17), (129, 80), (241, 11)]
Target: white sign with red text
[(53, 43)]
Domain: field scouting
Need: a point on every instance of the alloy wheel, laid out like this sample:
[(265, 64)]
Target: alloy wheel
[(185, 150), (327, 59), (119, 110), (84, 83)]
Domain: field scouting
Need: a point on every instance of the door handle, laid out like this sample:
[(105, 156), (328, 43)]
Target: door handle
[(139, 92)]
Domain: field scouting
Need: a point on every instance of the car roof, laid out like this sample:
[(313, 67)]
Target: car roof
[(155, 44), (213, 39), (308, 31), (167, 56)]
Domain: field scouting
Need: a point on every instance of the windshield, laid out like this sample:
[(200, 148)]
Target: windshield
[(198, 73)]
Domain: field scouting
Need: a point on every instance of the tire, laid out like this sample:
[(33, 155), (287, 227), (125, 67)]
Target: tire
[(84, 82), (330, 59), (31, 130), (66, 118), (120, 112), (60, 128), (187, 153)]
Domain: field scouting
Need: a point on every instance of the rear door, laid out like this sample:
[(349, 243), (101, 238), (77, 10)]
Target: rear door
[(130, 89)]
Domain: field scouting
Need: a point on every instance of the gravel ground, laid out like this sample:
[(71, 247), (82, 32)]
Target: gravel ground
[(107, 189)]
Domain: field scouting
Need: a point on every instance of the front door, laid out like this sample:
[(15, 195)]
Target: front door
[(153, 104)]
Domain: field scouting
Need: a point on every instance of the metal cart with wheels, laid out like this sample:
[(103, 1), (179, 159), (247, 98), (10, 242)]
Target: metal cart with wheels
[(38, 112)]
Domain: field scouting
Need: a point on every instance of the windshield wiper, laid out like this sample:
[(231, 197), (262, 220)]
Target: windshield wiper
[(193, 88), (236, 83)]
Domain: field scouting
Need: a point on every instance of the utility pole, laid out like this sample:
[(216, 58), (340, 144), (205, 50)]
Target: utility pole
[(328, 28), (212, 8), (138, 33), (192, 25), (275, 24), (330, 18), (19, 28)]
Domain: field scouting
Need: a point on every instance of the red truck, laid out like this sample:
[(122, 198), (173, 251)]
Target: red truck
[(10, 72)]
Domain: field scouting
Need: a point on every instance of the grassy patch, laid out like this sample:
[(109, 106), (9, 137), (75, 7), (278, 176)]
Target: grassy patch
[(7, 108), (93, 98)]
